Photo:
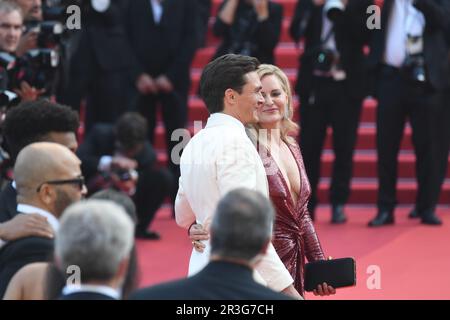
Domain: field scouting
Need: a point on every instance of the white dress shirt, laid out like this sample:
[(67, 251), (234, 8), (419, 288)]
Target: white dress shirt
[(404, 19), (216, 160), (104, 290), (28, 209), (157, 9)]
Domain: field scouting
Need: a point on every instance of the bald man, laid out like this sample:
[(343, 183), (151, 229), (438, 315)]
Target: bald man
[(48, 179)]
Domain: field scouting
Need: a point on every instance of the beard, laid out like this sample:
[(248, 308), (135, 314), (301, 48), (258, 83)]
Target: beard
[(63, 200)]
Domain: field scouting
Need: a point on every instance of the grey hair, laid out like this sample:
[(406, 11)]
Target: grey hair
[(8, 6), (95, 235), (242, 224)]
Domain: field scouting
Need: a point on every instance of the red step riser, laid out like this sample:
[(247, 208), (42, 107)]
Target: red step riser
[(212, 40), (288, 7), (365, 140), (285, 57), (368, 195)]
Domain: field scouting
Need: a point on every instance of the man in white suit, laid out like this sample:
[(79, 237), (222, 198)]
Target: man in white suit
[(221, 158)]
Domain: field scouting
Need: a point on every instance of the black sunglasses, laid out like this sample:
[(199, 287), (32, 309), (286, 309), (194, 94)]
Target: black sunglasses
[(79, 181)]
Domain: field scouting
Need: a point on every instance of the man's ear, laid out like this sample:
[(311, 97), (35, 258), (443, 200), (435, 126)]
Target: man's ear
[(46, 194), (230, 96)]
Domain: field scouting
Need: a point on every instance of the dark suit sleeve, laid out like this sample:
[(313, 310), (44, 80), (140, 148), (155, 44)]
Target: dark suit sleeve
[(352, 22), (220, 28), (147, 157), (95, 145), (19, 253), (188, 45), (301, 19), (436, 13), (268, 31)]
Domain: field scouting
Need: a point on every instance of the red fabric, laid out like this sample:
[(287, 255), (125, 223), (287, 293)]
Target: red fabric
[(294, 236)]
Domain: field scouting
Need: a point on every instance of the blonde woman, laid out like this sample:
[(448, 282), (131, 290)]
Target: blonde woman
[(294, 236)]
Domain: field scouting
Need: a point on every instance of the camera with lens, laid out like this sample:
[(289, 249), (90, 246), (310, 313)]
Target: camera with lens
[(242, 36), (37, 67), (333, 8), (325, 60), (125, 174), (49, 33), (414, 68)]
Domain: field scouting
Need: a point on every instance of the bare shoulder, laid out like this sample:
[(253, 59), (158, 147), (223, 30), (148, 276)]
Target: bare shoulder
[(26, 284)]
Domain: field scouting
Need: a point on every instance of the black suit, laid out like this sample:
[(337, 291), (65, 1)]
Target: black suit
[(85, 296), (263, 36), (398, 100), (153, 184), (8, 203), (16, 254), (217, 281), (164, 48), (328, 102), (101, 64)]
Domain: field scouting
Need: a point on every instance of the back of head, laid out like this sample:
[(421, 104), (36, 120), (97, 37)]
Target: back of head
[(32, 122), (96, 236), (131, 130), (242, 225), (225, 72), (119, 198)]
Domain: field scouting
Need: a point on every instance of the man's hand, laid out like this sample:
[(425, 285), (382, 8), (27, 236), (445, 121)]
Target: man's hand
[(27, 92), (319, 2), (262, 9), (196, 234), (27, 42), (146, 84), (163, 84), (25, 225), (324, 290), (124, 163)]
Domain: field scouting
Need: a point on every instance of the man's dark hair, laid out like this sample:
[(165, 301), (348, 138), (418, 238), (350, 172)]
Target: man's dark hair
[(30, 121), (131, 130), (225, 72), (242, 224)]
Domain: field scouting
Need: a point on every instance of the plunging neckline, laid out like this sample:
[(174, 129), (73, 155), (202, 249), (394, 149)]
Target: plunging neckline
[(283, 179)]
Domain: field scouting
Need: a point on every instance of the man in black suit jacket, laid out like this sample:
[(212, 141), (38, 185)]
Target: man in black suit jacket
[(240, 233), (331, 89), (101, 64), (163, 37), (48, 178), (110, 149), (29, 122), (404, 94), (249, 27)]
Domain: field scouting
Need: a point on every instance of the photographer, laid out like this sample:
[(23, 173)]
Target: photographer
[(11, 28), (408, 57), (249, 27), (331, 89), (32, 11), (119, 157)]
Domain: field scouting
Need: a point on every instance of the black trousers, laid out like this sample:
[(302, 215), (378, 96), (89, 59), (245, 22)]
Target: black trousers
[(153, 186), (440, 140), (332, 107), (174, 113), (399, 100)]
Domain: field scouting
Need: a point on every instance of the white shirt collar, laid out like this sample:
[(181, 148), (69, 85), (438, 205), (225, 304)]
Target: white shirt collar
[(220, 119), (157, 10), (105, 290), (13, 184), (28, 209)]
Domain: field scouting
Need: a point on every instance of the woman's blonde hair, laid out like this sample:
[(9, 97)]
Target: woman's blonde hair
[(288, 127)]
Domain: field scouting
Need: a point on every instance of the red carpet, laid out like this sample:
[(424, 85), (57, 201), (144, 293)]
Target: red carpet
[(414, 260)]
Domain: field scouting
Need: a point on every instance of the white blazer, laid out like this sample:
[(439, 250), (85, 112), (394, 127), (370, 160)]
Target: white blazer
[(216, 160)]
